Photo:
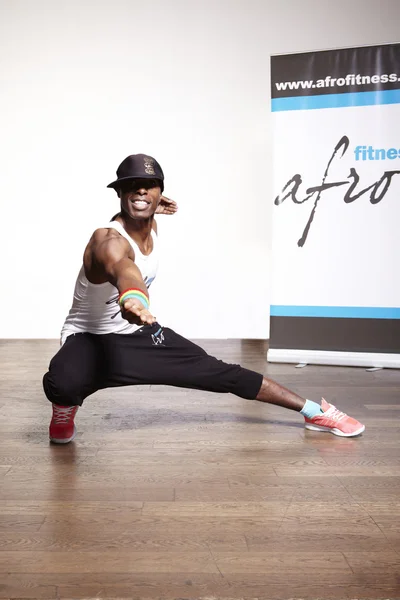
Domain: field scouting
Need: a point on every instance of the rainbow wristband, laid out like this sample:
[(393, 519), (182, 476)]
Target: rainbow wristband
[(134, 293)]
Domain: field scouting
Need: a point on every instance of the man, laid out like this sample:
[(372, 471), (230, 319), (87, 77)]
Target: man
[(110, 337)]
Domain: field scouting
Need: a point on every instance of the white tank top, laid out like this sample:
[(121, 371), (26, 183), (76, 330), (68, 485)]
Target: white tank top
[(95, 307)]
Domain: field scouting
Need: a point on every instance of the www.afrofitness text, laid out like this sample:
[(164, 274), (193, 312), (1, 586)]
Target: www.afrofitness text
[(377, 189), (350, 80)]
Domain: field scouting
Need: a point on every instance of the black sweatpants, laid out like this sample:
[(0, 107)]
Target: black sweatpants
[(151, 355)]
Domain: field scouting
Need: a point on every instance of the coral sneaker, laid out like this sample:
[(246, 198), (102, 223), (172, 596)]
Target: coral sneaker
[(334, 421), (62, 427)]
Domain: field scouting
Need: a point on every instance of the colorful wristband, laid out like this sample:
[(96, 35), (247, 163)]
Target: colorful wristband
[(134, 293)]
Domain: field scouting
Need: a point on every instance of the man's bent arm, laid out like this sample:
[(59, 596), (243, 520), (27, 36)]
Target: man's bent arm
[(112, 259), (115, 257)]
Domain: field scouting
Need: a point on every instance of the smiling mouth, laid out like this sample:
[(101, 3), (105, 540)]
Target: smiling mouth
[(141, 204)]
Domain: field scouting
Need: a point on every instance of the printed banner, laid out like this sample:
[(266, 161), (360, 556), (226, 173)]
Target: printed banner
[(336, 215)]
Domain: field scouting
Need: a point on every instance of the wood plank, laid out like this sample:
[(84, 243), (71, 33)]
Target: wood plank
[(387, 562), (125, 539), (270, 510), (20, 522), (115, 585), (285, 539), (277, 564), (60, 507), (111, 562), (90, 492)]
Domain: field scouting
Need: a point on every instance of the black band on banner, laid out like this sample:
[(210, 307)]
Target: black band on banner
[(336, 334), (337, 71)]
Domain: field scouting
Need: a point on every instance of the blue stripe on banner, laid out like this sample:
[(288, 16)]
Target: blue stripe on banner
[(343, 312), (336, 100)]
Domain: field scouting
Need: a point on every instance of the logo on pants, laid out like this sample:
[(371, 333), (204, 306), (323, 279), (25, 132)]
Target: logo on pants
[(158, 337)]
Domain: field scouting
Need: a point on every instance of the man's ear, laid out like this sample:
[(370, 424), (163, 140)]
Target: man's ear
[(118, 192)]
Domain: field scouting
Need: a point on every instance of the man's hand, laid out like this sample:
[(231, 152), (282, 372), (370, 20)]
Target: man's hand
[(134, 312), (166, 206)]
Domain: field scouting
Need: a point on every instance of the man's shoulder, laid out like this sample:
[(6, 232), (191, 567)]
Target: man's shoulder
[(105, 234), (102, 232), (109, 230)]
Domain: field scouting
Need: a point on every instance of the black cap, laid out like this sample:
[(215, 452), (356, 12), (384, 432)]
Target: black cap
[(138, 166)]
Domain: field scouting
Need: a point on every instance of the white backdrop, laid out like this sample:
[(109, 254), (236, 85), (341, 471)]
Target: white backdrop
[(85, 83)]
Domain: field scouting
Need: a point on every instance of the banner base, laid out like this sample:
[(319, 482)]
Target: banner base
[(342, 359)]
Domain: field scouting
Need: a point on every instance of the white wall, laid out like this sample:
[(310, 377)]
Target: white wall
[(85, 83)]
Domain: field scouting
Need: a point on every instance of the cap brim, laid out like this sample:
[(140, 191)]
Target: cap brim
[(115, 184)]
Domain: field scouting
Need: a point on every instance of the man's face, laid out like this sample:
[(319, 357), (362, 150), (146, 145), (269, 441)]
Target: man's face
[(140, 197)]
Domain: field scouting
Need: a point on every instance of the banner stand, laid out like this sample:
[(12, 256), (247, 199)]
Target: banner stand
[(335, 239)]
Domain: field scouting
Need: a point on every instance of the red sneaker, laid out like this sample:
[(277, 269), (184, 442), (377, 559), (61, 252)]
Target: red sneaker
[(62, 427), (334, 421)]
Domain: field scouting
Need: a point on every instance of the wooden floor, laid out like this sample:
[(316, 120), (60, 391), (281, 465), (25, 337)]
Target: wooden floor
[(171, 493)]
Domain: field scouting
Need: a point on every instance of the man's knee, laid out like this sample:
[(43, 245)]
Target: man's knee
[(218, 376), (247, 383), (62, 390)]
